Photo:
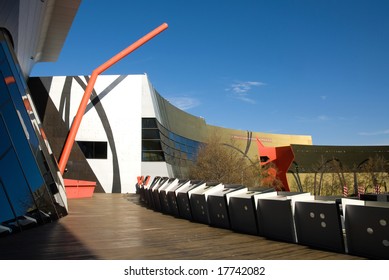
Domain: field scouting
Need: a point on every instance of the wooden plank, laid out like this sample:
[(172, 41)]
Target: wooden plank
[(117, 226)]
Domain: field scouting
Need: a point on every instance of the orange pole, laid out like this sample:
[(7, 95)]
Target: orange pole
[(88, 91)]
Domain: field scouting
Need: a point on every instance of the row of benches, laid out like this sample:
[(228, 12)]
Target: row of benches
[(345, 225)]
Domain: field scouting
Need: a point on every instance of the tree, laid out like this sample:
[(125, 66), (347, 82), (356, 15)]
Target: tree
[(268, 177), (224, 163)]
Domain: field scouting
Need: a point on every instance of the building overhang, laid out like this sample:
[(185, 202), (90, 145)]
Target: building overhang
[(57, 21)]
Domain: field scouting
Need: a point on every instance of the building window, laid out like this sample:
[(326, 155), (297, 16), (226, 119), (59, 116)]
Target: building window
[(160, 144), (93, 149), (150, 134), (153, 156), (151, 145), (181, 150), (149, 123), (151, 141)]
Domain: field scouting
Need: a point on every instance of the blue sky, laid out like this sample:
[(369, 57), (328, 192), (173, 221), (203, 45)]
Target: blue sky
[(309, 67)]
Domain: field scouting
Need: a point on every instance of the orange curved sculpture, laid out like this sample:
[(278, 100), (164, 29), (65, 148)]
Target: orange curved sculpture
[(84, 102)]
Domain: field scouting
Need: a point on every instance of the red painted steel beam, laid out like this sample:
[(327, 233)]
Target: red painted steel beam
[(88, 91)]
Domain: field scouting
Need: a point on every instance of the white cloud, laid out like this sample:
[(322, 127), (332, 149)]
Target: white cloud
[(241, 90), (326, 118), (244, 87), (320, 118), (184, 103), (323, 118), (375, 133), (246, 99)]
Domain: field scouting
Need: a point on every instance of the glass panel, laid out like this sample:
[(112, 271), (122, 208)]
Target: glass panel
[(164, 139), (191, 150), (94, 150), (163, 130), (177, 145), (164, 147), (172, 136), (150, 134), (17, 91), (149, 123), (183, 148), (184, 140), (191, 157), (5, 207), (17, 132), (150, 145), (14, 185), (24, 172), (192, 143), (174, 146), (100, 149), (153, 156)]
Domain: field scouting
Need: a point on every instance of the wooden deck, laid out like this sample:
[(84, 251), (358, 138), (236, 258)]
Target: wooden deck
[(117, 227)]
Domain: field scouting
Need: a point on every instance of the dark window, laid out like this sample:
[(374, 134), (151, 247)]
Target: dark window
[(153, 156), (150, 134), (96, 150), (151, 145), (149, 123)]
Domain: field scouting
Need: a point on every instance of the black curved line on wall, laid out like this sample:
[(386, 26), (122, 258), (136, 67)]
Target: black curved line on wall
[(248, 143), (95, 100), (64, 103), (240, 151)]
